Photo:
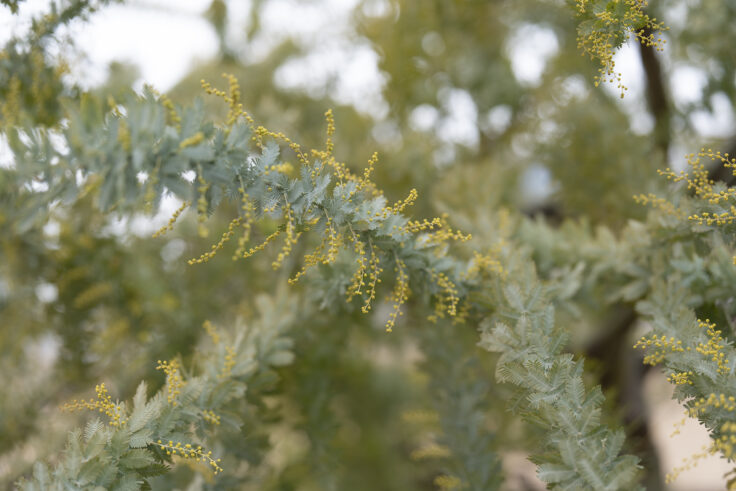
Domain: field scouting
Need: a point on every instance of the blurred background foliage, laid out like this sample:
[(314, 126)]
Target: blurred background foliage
[(88, 298)]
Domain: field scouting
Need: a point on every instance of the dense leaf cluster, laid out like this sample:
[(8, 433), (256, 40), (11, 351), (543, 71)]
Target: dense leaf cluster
[(127, 455)]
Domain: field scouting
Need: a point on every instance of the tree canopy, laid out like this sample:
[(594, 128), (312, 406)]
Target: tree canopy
[(270, 285)]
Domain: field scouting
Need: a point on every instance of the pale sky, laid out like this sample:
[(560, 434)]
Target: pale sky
[(164, 38)]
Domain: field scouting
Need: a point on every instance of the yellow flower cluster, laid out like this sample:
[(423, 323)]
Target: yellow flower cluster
[(448, 483), (399, 295), (43, 88), (173, 115), (227, 368), (10, 108), (261, 133), (211, 331), (448, 301), (400, 205), (357, 282), (661, 346), (166, 102), (211, 417), (444, 233), (329, 145), (113, 105), (724, 218), (236, 107), (203, 258), (374, 277), (283, 168), (103, 404), (661, 204), (599, 43), (193, 140), (680, 378), (431, 451), (325, 157), (339, 169), (713, 401), (262, 245), (726, 441), (334, 243), (246, 208), (291, 237), (311, 259), (678, 426), (174, 380), (698, 181), (688, 463), (365, 181), (416, 226), (486, 263), (188, 451), (714, 347), (232, 98), (336, 237)]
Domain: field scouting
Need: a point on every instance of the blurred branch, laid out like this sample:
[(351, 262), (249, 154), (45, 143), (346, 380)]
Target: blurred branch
[(11, 4), (657, 97)]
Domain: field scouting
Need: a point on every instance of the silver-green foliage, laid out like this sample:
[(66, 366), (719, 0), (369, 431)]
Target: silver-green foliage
[(549, 382), (582, 453), (127, 456), (140, 151)]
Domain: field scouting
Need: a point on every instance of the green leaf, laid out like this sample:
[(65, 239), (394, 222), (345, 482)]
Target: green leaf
[(141, 395), (141, 439), (129, 482), (137, 458), (554, 473)]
